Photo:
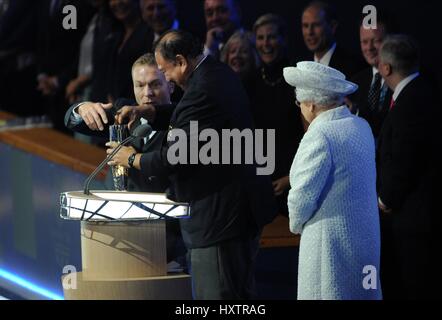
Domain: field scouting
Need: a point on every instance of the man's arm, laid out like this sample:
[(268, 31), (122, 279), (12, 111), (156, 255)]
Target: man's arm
[(401, 169), (158, 116), (89, 118), (197, 108)]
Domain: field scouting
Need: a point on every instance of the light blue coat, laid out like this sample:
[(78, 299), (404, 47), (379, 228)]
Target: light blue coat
[(333, 205)]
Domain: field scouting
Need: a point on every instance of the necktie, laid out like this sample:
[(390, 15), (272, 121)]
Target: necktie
[(375, 92), (392, 103)]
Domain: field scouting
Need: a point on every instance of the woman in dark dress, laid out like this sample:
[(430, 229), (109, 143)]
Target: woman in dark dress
[(272, 100), (130, 42)]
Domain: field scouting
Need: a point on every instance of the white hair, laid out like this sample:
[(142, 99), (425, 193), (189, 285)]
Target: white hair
[(321, 98)]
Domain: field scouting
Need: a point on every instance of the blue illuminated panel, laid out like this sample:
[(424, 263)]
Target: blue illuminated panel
[(35, 243), (28, 285)]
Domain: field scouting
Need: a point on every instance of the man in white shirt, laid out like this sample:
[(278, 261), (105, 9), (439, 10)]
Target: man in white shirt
[(150, 87), (93, 118)]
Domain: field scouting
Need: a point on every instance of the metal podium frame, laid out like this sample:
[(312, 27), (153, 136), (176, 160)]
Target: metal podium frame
[(119, 206)]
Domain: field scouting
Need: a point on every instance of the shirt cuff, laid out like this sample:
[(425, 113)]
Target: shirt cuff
[(75, 116), (207, 51), (381, 203)]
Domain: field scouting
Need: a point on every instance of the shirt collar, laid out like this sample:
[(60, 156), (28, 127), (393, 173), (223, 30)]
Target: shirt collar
[(375, 70), (403, 84), (325, 60)]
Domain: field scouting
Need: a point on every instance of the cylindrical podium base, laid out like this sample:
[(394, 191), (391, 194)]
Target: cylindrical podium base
[(172, 287), (117, 250)]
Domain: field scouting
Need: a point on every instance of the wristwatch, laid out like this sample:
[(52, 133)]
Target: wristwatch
[(131, 159)]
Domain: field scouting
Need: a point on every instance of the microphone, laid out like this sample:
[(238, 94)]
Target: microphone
[(139, 132)]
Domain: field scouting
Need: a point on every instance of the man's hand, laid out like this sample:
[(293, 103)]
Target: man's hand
[(383, 207), (121, 157), (213, 39), (72, 90), (75, 86), (281, 185), (47, 85), (94, 114), (132, 114)]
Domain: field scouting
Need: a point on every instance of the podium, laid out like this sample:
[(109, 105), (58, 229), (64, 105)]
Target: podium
[(123, 246)]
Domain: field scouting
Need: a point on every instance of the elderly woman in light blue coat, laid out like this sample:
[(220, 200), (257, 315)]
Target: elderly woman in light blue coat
[(332, 202)]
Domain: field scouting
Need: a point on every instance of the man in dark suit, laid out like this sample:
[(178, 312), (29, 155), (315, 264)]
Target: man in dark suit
[(229, 203), (150, 86), (372, 100), (407, 171), (319, 25), (160, 15), (223, 18)]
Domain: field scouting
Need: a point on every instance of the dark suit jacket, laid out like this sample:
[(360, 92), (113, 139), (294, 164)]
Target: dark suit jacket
[(409, 178), (273, 107), (226, 201), (360, 101), (137, 181), (407, 149), (345, 62)]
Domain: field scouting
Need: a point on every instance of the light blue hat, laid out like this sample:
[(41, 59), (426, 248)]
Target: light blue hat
[(313, 75)]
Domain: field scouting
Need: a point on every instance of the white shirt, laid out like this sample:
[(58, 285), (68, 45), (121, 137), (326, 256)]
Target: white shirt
[(325, 60), (144, 121), (375, 70), (403, 84)]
